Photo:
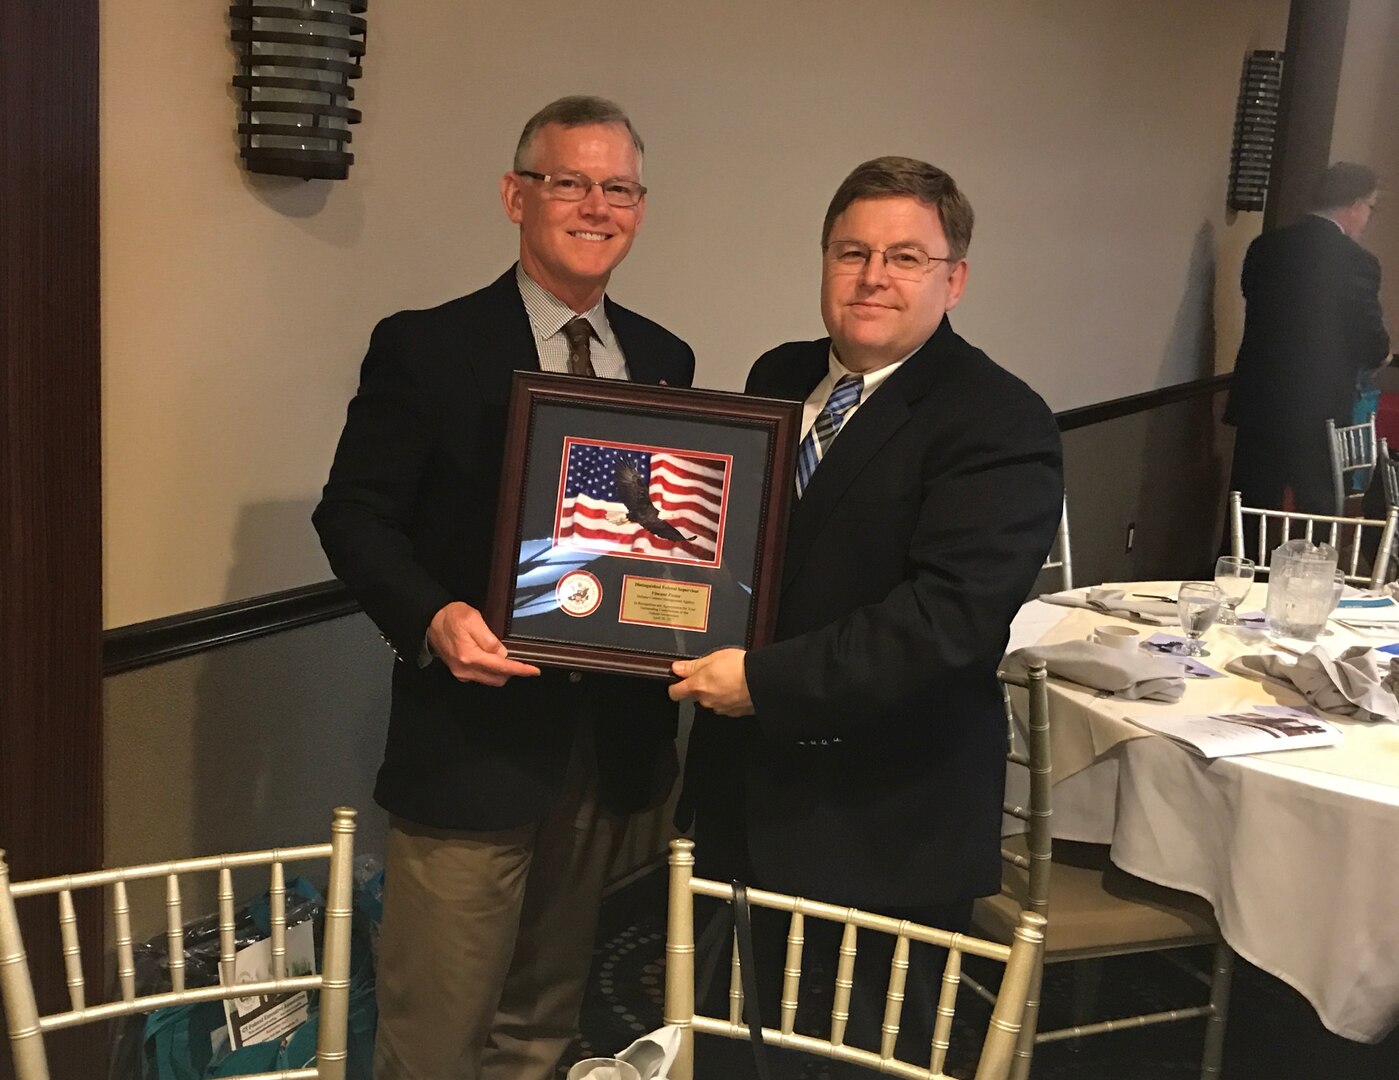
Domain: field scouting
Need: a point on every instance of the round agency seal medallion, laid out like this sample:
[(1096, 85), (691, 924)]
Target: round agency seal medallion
[(579, 593)]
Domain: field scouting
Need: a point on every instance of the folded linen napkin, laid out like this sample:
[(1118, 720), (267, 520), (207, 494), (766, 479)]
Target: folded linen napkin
[(1136, 676), (1358, 683), (1116, 602)]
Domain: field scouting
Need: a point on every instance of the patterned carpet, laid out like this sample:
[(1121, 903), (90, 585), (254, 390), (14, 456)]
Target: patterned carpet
[(1272, 1035)]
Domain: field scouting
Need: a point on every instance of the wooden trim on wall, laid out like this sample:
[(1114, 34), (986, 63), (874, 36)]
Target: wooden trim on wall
[(159, 640), (1103, 411), (51, 793)]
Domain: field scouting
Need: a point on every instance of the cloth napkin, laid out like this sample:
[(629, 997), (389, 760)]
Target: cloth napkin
[(652, 1055), (1358, 683), (1132, 675), (1117, 602)]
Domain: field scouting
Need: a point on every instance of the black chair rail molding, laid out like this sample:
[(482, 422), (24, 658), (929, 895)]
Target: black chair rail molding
[(1255, 129), (296, 60)]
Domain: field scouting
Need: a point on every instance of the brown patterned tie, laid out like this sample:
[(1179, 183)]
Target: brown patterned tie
[(579, 331)]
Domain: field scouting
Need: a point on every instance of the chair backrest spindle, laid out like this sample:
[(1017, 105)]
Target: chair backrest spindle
[(894, 998), (174, 933), (126, 955), (845, 983), (72, 952), (792, 971), (228, 946), (946, 1009), (277, 901)]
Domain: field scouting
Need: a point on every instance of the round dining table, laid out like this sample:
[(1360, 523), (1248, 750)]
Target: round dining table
[(1297, 850)]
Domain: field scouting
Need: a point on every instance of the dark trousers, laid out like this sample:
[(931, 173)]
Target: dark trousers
[(1285, 468), (721, 853)]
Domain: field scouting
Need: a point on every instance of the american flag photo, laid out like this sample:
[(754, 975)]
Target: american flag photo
[(643, 501)]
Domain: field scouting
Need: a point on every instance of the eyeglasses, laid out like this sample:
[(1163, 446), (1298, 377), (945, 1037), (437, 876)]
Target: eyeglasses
[(575, 187), (904, 263)]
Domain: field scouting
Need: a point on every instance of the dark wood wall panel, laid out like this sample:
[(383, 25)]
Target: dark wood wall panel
[(50, 478), (1311, 80)]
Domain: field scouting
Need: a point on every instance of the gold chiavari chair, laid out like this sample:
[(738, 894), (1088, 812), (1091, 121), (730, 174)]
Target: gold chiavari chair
[(1342, 533), (1020, 958), (1093, 909), (27, 1028)]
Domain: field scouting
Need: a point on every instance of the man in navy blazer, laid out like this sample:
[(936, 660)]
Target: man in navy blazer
[(1312, 324), (508, 787), (860, 757)]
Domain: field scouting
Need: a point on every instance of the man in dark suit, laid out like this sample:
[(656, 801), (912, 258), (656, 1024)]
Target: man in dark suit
[(1312, 324), (860, 758), (507, 786)]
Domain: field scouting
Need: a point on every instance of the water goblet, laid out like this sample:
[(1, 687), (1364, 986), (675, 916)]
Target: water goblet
[(1234, 577), (1197, 604)]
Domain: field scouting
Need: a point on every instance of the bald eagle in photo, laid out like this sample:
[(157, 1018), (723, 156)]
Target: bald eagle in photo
[(640, 508)]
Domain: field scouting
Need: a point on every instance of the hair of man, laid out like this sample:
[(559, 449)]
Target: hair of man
[(576, 110), (891, 176), (1344, 184)]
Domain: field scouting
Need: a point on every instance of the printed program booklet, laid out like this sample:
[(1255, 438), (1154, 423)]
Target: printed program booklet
[(1250, 731)]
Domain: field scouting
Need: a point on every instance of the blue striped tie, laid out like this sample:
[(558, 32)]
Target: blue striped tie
[(813, 448)]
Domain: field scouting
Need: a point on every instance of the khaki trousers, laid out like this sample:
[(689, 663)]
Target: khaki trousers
[(487, 939)]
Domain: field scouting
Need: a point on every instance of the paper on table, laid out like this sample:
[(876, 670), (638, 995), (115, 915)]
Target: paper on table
[(1254, 731), (1166, 646)]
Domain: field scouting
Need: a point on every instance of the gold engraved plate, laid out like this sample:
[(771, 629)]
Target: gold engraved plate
[(648, 601)]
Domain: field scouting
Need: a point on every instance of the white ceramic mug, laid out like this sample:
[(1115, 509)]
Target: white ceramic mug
[(603, 1069), (1117, 637)]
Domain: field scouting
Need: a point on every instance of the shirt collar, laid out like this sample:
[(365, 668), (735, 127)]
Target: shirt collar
[(548, 314), (835, 370)]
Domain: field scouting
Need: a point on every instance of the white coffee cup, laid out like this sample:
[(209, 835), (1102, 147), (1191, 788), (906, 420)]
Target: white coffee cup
[(603, 1069), (1117, 637)]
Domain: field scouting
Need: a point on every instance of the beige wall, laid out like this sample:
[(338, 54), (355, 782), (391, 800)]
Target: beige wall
[(1367, 129), (244, 747), (1092, 136)]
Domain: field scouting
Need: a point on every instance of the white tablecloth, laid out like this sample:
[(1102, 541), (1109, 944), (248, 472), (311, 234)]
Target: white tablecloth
[(1298, 851)]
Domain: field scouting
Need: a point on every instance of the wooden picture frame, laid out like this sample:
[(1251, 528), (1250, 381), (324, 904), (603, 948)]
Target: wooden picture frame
[(638, 525)]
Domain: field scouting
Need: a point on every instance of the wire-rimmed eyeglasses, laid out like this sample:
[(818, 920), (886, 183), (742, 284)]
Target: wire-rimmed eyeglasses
[(904, 262), (574, 187)]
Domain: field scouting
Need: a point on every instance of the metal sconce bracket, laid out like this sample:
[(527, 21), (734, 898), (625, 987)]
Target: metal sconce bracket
[(297, 58), (1255, 129)]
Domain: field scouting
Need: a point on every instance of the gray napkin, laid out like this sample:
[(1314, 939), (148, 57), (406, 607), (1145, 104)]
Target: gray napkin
[(1132, 675), (1358, 683), (1117, 602)]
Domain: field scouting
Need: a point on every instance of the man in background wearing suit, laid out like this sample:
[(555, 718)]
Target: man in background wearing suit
[(1312, 324), (860, 758), (507, 786)]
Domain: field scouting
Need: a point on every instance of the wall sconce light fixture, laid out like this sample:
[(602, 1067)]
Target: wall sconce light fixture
[(1255, 128), (297, 58)]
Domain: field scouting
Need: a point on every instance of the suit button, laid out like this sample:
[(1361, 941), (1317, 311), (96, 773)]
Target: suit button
[(575, 676), (825, 742)]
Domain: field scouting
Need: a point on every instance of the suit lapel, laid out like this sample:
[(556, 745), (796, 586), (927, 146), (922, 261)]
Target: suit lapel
[(858, 442), (633, 336), (508, 329)]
